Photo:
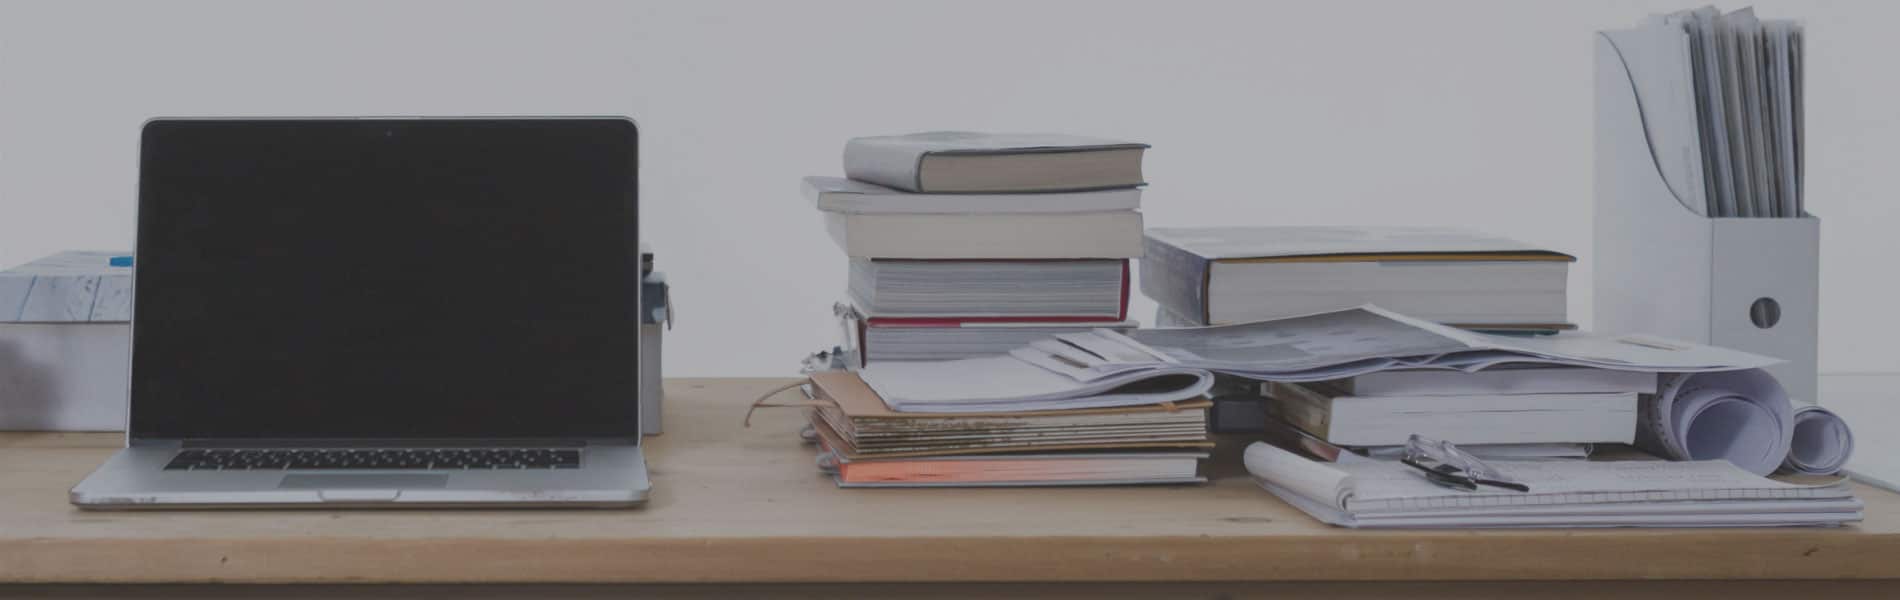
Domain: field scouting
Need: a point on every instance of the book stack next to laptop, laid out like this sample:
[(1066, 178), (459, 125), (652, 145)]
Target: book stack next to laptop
[(865, 443), (970, 244), (1223, 275)]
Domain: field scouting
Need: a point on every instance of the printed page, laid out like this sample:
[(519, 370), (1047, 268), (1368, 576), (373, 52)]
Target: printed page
[(1298, 343), (1009, 383), (1624, 352)]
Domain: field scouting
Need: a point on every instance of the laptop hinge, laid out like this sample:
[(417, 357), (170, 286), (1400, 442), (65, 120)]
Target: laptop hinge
[(383, 443)]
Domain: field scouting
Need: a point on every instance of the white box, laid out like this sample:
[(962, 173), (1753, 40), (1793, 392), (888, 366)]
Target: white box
[(1752, 284), (65, 343)]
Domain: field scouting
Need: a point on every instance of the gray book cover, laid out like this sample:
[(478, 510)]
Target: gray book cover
[(896, 161)]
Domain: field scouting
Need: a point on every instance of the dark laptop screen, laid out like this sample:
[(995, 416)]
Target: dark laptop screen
[(386, 279)]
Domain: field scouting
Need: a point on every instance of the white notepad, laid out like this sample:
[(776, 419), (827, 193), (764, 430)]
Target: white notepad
[(1563, 494)]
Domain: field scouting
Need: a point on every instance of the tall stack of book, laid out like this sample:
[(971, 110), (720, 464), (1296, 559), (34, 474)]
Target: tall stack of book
[(970, 244)]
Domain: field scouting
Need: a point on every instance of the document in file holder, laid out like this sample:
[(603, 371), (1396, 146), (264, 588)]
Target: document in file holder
[(1701, 228)]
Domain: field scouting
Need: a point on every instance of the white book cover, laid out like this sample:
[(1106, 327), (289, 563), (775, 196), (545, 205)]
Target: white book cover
[(841, 195)]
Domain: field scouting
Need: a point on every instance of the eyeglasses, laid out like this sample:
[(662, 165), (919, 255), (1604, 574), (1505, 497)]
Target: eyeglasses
[(1446, 465)]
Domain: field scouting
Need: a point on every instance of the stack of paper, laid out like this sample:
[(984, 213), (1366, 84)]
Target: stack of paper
[(865, 443), (1102, 368), (1718, 404), (1504, 411), (1722, 104), (1363, 493)]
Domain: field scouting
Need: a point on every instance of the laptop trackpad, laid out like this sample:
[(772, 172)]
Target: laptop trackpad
[(363, 481)]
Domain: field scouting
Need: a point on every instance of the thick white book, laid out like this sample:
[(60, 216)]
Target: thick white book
[(1467, 419), (972, 162), (1087, 290), (1112, 234), (1221, 275), (838, 194), (1503, 379)]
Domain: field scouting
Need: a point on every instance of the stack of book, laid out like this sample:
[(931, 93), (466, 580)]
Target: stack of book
[(970, 244), (864, 443), (1224, 275)]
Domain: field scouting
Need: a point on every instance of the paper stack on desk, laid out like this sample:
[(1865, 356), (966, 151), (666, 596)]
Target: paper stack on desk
[(1365, 493), (970, 244), (867, 444), (1531, 411)]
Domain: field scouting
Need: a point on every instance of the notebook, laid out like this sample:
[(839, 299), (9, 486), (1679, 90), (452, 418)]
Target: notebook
[(1645, 493)]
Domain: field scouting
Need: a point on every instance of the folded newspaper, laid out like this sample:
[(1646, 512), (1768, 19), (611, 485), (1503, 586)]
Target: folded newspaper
[(1103, 368)]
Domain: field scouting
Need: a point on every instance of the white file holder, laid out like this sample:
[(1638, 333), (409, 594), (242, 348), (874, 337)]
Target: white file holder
[(1752, 284)]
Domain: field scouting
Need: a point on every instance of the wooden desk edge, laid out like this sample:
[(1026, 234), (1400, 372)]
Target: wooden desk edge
[(1428, 557), (316, 554)]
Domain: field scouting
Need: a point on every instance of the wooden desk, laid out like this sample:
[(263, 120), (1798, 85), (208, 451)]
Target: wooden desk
[(735, 505)]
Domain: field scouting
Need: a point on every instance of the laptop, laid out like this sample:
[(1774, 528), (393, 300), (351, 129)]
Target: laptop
[(383, 313)]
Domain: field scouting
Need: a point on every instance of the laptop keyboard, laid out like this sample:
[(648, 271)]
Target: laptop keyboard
[(295, 459)]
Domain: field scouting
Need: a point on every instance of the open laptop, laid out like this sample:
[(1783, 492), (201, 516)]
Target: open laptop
[(383, 313)]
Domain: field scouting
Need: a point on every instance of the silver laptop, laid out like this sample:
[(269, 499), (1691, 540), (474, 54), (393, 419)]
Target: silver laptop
[(383, 313)]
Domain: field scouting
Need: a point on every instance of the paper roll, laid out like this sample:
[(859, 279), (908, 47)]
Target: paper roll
[(1742, 416), (1822, 442)]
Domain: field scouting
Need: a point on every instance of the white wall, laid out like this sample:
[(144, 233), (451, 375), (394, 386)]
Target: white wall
[(1471, 113)]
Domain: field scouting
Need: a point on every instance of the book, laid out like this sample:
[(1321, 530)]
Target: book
[(1013, 470), (969, 162), (1346, 420), (1222, 275), (879, 339), (1113, 234), (837, 194), (996, 290), (861, 425), (1563, 493), (1502, 379), (1007, 384)]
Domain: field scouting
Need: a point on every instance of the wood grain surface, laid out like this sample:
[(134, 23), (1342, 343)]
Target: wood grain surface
[(737, 505)]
